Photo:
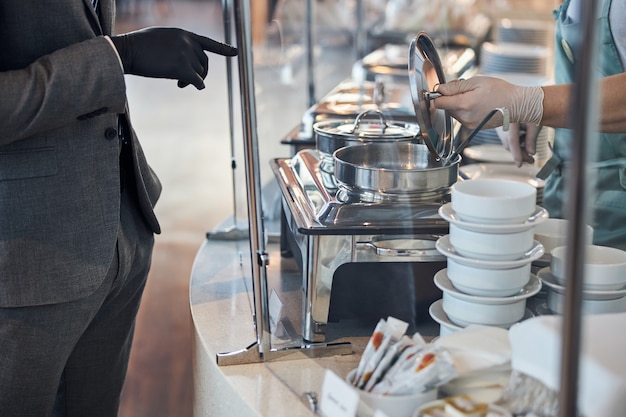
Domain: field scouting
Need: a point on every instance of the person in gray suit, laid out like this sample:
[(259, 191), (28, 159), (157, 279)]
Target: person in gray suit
[(76, 199)]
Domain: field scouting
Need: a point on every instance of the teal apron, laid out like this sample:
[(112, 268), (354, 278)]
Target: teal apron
[(608, 185)]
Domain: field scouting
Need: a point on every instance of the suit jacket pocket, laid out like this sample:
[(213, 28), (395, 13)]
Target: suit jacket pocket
[(19, 164)]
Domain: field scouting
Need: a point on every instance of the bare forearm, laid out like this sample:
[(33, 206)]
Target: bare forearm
[(612, 115)]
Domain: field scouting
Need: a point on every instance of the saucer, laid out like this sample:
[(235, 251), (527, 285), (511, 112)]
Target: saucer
[(444, 246), (525, 173), (436, 312), (538, 216), (546, 276), (443, 283)]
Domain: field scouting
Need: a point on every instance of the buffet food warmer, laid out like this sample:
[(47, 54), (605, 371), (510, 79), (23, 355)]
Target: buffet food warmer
[(328, 225)]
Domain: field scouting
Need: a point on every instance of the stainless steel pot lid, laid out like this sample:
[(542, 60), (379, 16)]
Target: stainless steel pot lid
[(425, 73), (366, 128)]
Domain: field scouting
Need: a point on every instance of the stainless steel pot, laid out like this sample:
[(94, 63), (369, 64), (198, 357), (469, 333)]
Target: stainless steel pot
[(331, 135), (394, 168)]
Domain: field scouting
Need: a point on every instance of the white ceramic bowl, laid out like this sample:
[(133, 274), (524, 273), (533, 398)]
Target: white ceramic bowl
[(552, 233), (605, 267), (492, 246), (493, 200), (463, 312), (488, 282), (556, 303), (391, 405)]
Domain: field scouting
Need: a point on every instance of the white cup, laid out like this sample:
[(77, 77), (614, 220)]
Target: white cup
[(604, 267), (391, 405), (488, 282), (464, 312), (552, 233), (493, 200), (490, 246)]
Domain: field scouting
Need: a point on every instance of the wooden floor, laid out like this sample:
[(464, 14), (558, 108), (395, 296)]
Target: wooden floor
[(185, 134), (188, 153)]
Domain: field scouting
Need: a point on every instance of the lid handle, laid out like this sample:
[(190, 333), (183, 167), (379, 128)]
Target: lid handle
[(381, 118)]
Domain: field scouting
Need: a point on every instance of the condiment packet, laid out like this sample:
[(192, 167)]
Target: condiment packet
[(389, 357), (407, 354), (373, 344), (385, 334), (429, 368)]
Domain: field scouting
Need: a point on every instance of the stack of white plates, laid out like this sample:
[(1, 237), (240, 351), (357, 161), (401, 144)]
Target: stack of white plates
[(520, 78), (513, 57), (535, 32), (543, 147)]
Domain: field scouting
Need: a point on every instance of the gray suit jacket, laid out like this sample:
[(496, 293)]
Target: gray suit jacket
[(61, 91)]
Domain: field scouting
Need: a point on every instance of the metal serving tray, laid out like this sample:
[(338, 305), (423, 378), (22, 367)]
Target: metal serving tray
[(311, 197)]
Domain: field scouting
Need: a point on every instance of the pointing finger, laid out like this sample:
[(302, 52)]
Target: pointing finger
[(216, 47)]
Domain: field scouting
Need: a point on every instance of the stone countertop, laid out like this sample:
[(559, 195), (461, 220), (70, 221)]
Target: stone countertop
[(221, 302)]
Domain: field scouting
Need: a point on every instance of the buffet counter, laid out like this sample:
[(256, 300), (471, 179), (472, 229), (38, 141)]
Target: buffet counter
[(221, 297), (222, 305)]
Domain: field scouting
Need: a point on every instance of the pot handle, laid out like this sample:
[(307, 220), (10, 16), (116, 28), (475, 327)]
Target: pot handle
[(381, 118)]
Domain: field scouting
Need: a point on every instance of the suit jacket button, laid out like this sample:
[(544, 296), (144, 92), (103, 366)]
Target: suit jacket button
[(110, 133)]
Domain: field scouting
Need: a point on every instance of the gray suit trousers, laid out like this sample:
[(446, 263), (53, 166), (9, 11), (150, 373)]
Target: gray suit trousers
[(70, 359)]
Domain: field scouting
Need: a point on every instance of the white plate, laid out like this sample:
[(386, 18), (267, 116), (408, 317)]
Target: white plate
[(444, 246), (436, 312), (494, 410), (488, 152), (546, 276), (538, 216), (444, 284), (526, 173)]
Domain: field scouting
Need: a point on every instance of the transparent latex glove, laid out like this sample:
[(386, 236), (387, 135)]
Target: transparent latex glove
[(521, 141), (469, 101)]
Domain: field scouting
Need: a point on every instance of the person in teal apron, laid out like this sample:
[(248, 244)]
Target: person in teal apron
[(539, 105)]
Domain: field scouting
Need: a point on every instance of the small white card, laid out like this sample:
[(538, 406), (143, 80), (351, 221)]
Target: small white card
[(339, 399)]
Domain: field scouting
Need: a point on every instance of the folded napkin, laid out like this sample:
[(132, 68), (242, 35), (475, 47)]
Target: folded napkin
[(536, 351), (482, 357), (477, 348)]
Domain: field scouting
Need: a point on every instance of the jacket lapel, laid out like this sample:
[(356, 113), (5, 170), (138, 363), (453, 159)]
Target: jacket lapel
[(93, 17), (107, 14)]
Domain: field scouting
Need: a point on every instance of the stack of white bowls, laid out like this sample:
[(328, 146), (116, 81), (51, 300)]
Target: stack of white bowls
[(604, 285), (489, 253)]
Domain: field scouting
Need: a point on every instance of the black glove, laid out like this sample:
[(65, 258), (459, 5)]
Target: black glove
[(168, 53)]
